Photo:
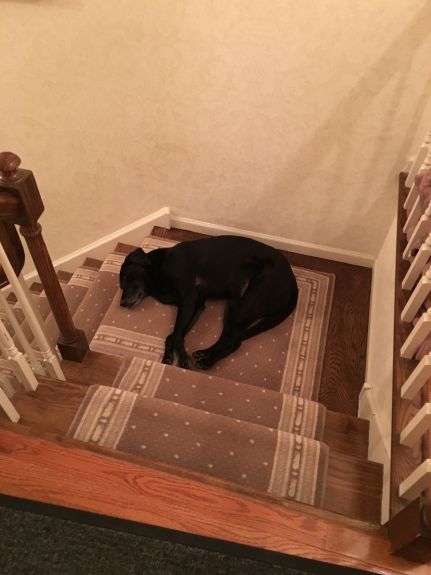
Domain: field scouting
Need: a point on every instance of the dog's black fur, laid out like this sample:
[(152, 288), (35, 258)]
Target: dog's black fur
[(255, 279)]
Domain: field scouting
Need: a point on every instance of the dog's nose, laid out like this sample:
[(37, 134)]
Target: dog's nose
[(127, 301)]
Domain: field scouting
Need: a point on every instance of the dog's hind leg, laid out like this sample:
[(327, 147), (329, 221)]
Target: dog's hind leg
[(262, 325), (183, 324), (228, 341)]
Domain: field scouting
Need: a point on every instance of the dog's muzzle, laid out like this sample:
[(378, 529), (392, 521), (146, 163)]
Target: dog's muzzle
[(131, 299)]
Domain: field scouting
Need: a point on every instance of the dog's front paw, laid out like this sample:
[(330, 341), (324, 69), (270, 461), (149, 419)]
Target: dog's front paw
[(204, 363), (184, 362), (201, 354), (168, 358)]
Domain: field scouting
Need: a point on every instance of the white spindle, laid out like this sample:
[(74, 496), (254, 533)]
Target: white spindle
[(418, 264), (416, 167), (416, 482), (419, 333), (414, 215), (6, 405), (17, 360), (28, 350), (420, 232), (419, 425), (33, 317), (417, 298), (417, 379), (35, 321)]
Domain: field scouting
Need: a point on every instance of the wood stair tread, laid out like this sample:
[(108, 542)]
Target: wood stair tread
[(354, 487), (353, 484), (346, 434)]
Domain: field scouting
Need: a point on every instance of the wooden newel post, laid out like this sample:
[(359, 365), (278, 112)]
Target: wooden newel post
[(21, 183)]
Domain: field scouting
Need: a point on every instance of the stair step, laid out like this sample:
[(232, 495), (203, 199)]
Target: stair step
[(253, 455), (346, 434), (272, 359), (354, 487), (222, 396), (73, 291), (99, 295)]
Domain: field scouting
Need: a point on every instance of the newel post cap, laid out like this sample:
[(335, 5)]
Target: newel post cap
[(9, 164)]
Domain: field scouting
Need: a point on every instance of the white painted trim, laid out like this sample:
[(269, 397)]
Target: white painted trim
[(417, 298), (305, 248), (416, 482), (368, 410), (419, 333), (417, 379), (417, 165), (417, 265), (130, 234), (420, 424), (379, 446)]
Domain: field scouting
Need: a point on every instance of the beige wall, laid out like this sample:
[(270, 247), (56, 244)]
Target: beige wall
[(265, 115)]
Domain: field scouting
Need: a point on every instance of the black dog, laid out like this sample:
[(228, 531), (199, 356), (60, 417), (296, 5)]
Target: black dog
[(255, 279)]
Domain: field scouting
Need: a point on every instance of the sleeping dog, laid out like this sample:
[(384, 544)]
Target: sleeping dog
[(256, 281)]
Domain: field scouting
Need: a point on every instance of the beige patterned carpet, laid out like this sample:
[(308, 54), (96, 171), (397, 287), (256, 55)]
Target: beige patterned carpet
[(252, 419), (287, 358)]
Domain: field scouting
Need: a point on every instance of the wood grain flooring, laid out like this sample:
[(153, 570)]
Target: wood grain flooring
[(345, 354), (353, 483), (77, 478)]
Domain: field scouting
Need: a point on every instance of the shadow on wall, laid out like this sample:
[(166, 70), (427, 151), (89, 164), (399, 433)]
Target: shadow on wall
[(393, 65)]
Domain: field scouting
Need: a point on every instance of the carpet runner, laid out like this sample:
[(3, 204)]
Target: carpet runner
[(222, 396), (252, 419), (287, 358), (256, 456)]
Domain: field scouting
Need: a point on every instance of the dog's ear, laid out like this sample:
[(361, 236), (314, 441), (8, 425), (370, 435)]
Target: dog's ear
[(138, 257)]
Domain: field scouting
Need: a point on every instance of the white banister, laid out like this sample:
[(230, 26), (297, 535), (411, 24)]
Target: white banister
[(8, 408), (421, 162), (421, 230), (420, 424), (416, 167), (17, 360), (418, 264), (417, 298), (414, 215), (416, 482), (50, 360), (419, 333), (28, 350), (417, 379)]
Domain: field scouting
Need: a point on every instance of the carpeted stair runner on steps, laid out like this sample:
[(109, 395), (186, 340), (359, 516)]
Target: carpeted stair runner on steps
[(74, 291), (287, 358), (222, 396), (263, 458)]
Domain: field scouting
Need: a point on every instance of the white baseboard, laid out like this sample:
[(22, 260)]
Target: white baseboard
[(379, 443), (305, 248), (131, 234)]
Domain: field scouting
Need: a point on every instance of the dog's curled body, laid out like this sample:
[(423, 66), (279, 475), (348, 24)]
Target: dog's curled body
[(256, 281)]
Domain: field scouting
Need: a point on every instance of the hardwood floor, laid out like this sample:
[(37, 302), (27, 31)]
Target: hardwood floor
[(85, 480), (148, 492), (345, 354), (353, 483)]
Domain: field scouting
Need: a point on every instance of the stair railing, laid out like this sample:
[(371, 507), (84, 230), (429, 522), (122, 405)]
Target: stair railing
[(410, 509), (26, 351), (21, 204)]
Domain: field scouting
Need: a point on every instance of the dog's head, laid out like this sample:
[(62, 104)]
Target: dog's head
[(134, 278)]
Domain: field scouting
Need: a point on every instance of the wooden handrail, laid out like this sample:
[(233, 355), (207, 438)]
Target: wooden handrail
[(23, 206)]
